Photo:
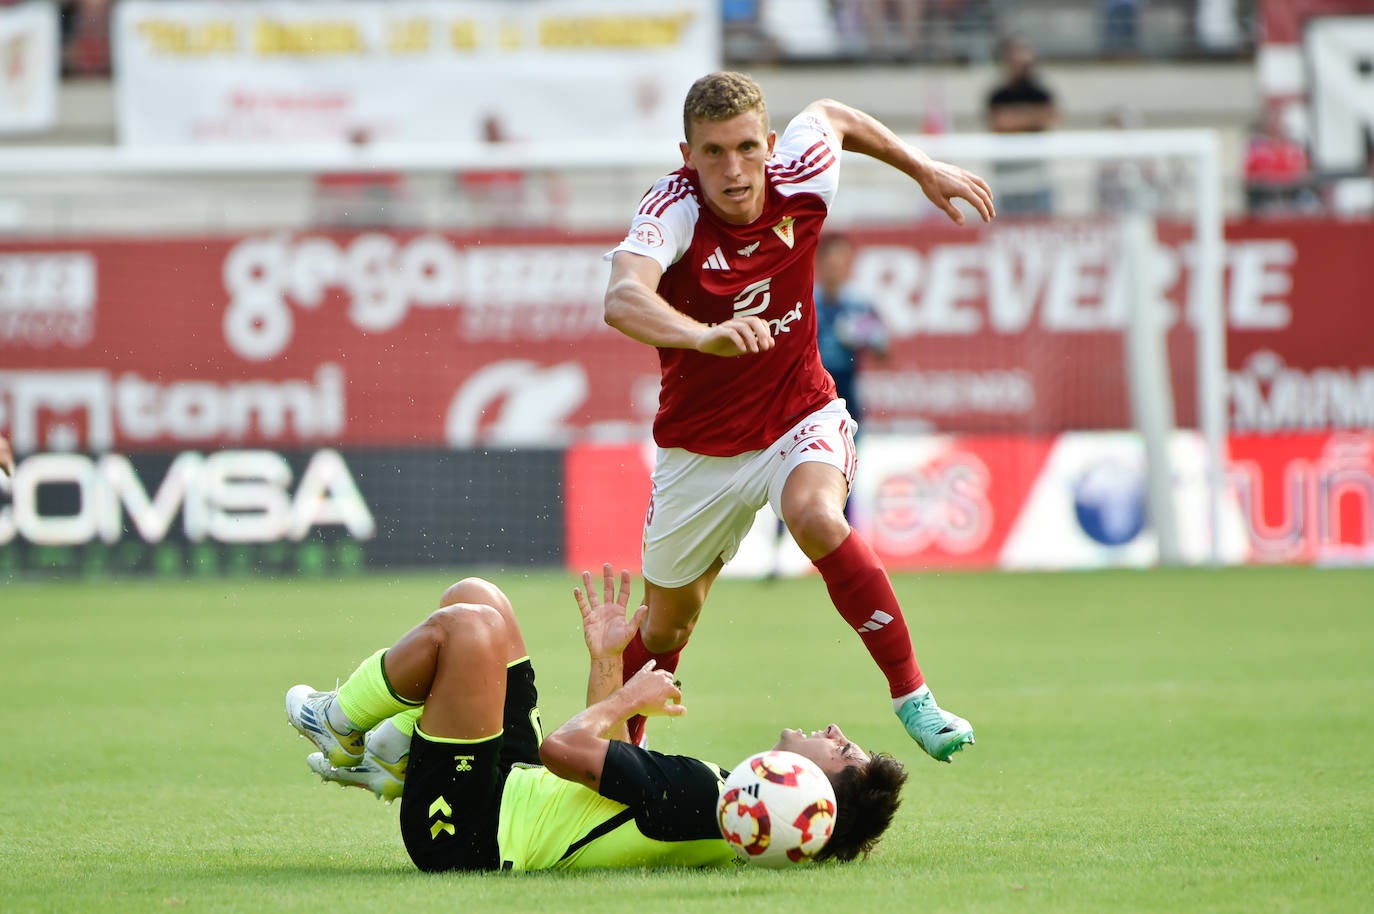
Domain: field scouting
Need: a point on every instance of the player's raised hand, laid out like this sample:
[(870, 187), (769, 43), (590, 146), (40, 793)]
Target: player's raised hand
[(6, 457), (655, 693), (604, 626), (737, 336), (942, 183)]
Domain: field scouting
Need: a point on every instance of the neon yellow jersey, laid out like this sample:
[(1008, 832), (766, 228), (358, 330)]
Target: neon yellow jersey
[(654, 810)]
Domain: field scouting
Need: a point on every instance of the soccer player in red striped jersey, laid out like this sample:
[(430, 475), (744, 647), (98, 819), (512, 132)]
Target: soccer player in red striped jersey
[(717, 273)]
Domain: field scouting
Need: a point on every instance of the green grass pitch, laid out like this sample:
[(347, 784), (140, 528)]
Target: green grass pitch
[(1147, 741)]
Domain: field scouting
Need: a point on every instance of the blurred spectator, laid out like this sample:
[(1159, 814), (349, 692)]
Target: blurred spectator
[(1120, 27), (958, 30), (85, 37), (1021, 103), (495, 195), (366, 198), (847, 325), (1124, 184), (1277, 176), (743, 32), (84, 30), (518, 196), (850, 28), (892, 28)]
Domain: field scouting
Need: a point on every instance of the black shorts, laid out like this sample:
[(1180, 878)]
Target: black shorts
[(452, 801)]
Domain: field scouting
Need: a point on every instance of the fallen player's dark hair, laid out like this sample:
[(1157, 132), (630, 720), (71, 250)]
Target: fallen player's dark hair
[(866, 799)]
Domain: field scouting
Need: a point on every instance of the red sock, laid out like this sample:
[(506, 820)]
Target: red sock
[(860, 589), (633, 659)]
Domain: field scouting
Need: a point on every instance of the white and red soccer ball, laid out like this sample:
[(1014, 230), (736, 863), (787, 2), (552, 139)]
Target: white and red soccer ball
[(777, 809)]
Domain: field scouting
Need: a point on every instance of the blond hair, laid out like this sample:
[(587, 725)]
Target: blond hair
[(720, 96)]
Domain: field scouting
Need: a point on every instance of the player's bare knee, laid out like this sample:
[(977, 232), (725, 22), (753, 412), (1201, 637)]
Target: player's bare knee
[(664, 637), (468, 623), (817, 525), (476, 590)]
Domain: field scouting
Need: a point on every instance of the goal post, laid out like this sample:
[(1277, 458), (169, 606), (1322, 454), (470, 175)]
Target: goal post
[(1134, 219)]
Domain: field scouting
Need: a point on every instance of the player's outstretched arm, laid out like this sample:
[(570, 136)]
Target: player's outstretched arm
[(607, 631), (576, 751), (941, 182), (634, 307), (6, 457)]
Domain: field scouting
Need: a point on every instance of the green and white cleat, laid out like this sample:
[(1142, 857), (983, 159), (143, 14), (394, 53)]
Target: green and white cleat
[(385, 779), (308, 711), (939, 733)]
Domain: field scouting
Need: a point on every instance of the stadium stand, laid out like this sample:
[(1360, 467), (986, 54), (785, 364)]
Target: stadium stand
[(799, 49)]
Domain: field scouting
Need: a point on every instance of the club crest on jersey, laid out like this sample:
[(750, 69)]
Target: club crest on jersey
[(784, 230)]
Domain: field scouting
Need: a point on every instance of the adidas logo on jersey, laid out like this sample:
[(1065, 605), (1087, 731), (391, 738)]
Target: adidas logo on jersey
[(716, 261)]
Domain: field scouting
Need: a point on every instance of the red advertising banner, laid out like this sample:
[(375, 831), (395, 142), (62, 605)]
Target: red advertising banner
[(1020, 329), (403, 339), (369, 339), (1307, 498), (944, 500), (922, 501), (1033, 502), (1283, 19), (605, 494)]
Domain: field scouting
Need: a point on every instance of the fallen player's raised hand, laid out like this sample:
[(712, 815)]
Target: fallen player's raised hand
[(604, 625)]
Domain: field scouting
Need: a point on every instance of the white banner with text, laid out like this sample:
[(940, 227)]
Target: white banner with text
[(408, 72)]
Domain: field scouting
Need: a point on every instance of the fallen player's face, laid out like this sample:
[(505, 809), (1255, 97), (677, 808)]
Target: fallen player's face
[(729, 157), (828, 748)]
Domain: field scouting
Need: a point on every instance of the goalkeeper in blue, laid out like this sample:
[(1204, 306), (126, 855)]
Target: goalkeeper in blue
[(447, 719)]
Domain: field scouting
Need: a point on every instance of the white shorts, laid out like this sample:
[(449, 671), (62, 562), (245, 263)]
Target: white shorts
[(702, 507)]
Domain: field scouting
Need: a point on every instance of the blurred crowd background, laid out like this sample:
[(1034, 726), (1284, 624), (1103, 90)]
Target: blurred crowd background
[(935, 65), (910, 31)]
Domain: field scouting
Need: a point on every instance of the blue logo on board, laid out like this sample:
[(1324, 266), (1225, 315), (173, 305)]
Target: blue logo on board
[(1109, 502)]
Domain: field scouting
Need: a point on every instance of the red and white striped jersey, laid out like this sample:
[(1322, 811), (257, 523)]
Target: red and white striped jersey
[(713, 271)]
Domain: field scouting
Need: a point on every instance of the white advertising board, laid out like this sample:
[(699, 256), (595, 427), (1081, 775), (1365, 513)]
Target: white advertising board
[(199, 72), (29, 67)]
